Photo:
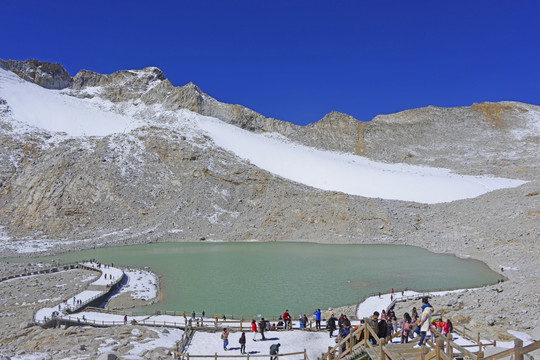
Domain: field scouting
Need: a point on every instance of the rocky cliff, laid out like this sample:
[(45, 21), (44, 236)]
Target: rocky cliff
[(167, 183), (159, 183)]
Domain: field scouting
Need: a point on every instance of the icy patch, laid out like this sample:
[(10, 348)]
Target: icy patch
[(347, 173), (59, 112), (141, 284)]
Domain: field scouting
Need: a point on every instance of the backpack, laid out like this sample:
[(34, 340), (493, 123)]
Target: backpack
[(382, 327)]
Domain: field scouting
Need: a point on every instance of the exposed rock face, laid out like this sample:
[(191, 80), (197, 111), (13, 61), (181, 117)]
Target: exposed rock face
[(158, 183), (48, 75)]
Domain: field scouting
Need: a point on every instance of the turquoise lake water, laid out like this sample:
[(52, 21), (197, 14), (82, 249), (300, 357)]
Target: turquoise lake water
[(252, 278)]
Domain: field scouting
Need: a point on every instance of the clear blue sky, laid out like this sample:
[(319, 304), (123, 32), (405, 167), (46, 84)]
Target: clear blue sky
[(297, 60)]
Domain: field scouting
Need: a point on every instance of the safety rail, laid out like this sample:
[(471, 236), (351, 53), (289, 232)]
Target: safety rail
[(443, 347), (188, 315), (48, 270), (179, 355)]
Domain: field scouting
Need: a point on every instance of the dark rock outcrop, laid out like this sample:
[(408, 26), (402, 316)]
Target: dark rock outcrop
[(45, 74)]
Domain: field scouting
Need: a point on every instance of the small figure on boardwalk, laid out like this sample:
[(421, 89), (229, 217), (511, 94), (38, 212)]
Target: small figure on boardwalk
[(287, 319), (405, 328), (262, 328), (125, 319), (304, 321), (225, 338), (414, 314), (373, 322), (379, 294), (331, 324), (242, 342), (317, 314), (425, 321), (274, 350), (254, 329)]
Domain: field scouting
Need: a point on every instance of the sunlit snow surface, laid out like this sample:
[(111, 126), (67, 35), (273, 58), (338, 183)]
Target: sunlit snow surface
[(56, 112)]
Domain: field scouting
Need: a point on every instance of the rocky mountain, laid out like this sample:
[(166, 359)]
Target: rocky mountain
[(163, 183), (160, 177)]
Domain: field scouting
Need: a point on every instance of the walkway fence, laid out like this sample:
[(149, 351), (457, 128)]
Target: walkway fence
[(295, 355), (49, 270), (206, 324), (443, 348), (188, 314), (406, 298)]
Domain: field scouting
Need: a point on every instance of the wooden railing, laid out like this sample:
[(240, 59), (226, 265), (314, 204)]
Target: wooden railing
[(179, 355), (188, 315), (444, 348)]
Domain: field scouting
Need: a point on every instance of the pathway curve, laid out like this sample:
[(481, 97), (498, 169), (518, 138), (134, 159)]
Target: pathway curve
[(99, 289)]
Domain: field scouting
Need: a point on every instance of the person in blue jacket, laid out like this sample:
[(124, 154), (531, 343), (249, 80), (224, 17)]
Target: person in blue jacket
[(317, 314)]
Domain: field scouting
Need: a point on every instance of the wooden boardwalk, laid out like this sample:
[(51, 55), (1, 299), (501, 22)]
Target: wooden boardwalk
[(357, 344)]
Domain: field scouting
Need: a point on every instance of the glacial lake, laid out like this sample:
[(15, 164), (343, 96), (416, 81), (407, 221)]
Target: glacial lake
[(266, 278)]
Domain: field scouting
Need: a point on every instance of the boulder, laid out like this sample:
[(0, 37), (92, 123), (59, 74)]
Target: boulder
[(107, 356)]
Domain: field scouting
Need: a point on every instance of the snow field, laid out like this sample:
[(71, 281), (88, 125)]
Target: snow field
[(58, 112)]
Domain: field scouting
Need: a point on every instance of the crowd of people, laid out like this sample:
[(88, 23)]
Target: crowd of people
[(409, 326), (385, 325)]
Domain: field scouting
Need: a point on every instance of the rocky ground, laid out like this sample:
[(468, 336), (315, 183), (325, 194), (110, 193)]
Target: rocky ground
[(21, 297), (164, 183)]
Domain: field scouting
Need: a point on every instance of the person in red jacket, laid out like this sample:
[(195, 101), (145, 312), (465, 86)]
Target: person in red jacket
[(287, 319), (254, 329)]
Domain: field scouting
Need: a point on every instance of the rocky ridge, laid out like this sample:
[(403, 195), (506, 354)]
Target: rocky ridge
[(161, 184)]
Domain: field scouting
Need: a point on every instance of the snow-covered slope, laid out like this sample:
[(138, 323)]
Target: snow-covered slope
[(55, 111)]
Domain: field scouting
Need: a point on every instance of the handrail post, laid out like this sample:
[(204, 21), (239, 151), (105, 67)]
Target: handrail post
[(480, 355), (518, 344), (381, 350), (440, 348), (479, 342), (305, 354), (215, 356), (449, 349)]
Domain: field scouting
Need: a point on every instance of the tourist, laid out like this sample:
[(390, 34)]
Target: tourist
[(225, 338), (383, 315), (331, 324), (425, 321), (274, 350), (389, 329), (287, 319), (317, 314), (405, 328), (414, 314), (300, 322), (304, 321), (262, 327), (346, 321), (445, 327), (242, 342), (125, 319), (382, 329), (343, 334), (373, 323), (254, 329), (340, 323)]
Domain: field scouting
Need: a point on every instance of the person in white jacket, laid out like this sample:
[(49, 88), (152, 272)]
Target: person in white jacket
[(425, 320)]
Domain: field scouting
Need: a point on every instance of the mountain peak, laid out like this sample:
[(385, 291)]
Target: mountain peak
[(45, 74)]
